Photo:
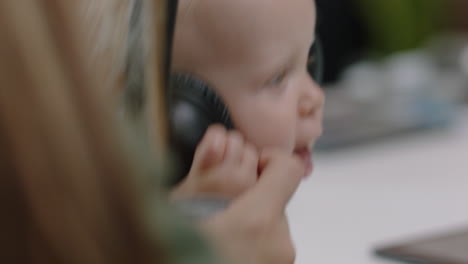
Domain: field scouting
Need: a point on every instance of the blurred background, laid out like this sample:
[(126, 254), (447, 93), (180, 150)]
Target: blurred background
[(391, 66), (392, 164)]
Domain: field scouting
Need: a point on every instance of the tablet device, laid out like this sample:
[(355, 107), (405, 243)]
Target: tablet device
[(443, 248)]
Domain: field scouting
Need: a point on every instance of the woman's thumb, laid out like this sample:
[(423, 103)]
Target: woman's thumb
[(211, 149)]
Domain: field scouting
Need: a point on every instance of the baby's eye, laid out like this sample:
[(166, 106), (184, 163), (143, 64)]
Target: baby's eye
[(277, 80), (310, 59)]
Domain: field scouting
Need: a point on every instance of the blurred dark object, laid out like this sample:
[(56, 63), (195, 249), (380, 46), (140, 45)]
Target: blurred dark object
[(443, 248), (458, 19), (343, 36)]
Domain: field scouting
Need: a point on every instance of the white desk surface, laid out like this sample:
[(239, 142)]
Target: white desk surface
[(364, 196)]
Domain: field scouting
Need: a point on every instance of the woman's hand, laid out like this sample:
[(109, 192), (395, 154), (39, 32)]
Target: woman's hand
[(224, 166), (254, 228)]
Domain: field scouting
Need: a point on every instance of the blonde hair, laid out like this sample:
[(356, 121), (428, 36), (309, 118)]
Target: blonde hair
[(104, 27), (70, 189)]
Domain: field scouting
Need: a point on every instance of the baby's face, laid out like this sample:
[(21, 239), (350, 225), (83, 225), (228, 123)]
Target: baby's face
[(255, 54)]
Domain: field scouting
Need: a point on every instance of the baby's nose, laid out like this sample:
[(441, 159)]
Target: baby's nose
[(306, 108), (311, 99)]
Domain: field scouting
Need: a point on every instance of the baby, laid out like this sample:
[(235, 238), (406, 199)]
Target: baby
[(255, 55)]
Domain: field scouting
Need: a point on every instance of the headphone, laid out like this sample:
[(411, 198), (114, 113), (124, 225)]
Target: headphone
[(193, 105)]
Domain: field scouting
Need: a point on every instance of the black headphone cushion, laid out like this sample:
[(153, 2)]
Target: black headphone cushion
[(192, 107)]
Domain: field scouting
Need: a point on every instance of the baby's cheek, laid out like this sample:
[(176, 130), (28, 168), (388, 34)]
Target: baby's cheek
[(273, 130), (265, 122)]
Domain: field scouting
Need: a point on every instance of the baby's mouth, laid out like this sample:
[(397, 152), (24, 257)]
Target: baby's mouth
[(305, 154)]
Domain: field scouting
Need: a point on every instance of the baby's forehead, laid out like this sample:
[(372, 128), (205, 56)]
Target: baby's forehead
[(232, 28), (247, 18)]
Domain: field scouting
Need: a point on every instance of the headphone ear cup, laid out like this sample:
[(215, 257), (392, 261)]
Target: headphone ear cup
[(193, 107)]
